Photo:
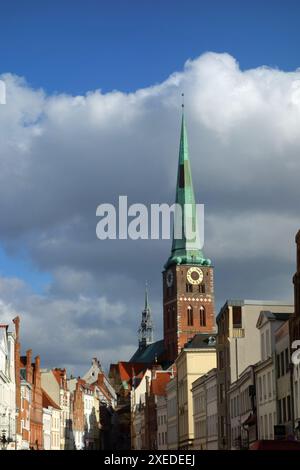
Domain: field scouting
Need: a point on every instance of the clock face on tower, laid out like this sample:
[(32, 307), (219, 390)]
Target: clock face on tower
[(194, 276), (170, 278)]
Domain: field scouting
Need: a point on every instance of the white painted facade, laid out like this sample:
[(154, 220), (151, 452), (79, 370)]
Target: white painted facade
[(172, 415), (162, 426), (243, 410), (7, 387), (265, 374), (137, 403), (205, 404), (47, 418)]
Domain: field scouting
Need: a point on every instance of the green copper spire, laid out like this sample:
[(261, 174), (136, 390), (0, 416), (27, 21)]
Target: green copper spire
[(185, 251)]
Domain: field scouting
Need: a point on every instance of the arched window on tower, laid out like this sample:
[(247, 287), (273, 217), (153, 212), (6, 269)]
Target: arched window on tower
[(202, 316), (190, 319)]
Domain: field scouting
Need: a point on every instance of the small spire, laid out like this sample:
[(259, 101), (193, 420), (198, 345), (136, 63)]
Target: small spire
[(146, 328)]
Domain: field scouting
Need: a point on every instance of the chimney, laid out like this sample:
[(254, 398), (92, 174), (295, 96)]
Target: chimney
[(28, 366), (16, 321), (100, 379), (37, 361)]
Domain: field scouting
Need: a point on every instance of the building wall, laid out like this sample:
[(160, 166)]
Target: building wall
[(238, 346), (47, 418), (199, 406), (7, 386), (211, 410), (172, 414), (283, 358), (266, 400), (162, 426), (191, 364), (26, 397), (294, 342), (55, 429)]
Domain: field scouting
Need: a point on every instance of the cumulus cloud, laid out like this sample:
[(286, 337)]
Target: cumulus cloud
[(63, 155)]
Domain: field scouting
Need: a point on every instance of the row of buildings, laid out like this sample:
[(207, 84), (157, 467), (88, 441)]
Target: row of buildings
[(212, 382), (43, 409), (225, 390)]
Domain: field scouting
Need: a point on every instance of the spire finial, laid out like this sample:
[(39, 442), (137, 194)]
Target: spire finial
[(182, 101), (146, 295)]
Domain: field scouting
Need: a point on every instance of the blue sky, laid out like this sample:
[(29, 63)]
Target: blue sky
[(74, 46)]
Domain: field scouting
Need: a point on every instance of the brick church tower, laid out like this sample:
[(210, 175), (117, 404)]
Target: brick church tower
[(188, 283)]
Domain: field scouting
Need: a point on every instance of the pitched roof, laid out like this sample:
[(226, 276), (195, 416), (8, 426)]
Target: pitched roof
[(128, 370), (150, 354), (48, 401), (159, 383), (202, 341)]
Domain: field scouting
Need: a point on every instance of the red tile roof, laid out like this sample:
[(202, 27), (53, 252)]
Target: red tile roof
[(128, 370), (159, 383)]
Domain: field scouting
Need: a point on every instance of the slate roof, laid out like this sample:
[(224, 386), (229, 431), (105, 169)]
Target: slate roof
[(202, 341), (150, 354)]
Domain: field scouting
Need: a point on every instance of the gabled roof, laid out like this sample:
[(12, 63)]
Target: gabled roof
[(272, 316), (48, 401), (128, 370)]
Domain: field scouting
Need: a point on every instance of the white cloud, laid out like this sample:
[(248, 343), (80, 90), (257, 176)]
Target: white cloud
[(61, 156)]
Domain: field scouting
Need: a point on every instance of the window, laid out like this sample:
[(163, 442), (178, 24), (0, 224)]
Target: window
[(279, 412), (270, 426), (284, 409), (262, 342), (237, 317), (221, 391), (268, 349), (287, 361), (289, 408), (278, 365), (202, 316), (190, 319), (269, 384), (282, 362), (221, 358), (264, 387), (260, 389), (189, 287), (201, 288), (266, 427)]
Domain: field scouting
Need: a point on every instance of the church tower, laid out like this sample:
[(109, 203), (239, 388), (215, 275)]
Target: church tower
[(188, 283), (146, 328)]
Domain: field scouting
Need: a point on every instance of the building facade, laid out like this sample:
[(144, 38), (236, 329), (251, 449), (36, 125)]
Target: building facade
[(205, 404), (7, 387), (238, 346), (196, 359), (172, 414)]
